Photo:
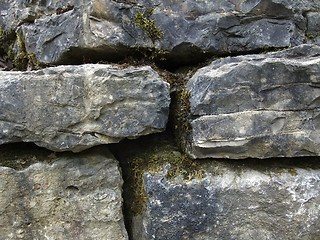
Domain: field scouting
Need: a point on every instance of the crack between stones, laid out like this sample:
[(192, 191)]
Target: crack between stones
[(194, 117)]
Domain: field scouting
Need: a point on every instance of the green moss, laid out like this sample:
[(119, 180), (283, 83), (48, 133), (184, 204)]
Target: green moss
[(24, 60), (180, 113), (151, 154), (143, 20), (21, 155), (180, 165), (312, 37), (7, 40), (293, 172), (21, 61)]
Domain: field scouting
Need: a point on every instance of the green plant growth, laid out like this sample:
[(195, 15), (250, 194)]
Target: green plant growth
[(144, 21), (152, 160), (312, 37), (7, 40), (180, 113), (153, 53), (24, 60)]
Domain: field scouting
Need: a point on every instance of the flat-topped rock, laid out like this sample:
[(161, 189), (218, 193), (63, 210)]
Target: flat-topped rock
[(71, 108), (184, 31), (72, 196), (243, 200), (258, 106)]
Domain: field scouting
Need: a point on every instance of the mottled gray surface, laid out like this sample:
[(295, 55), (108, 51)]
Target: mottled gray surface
[(313, 26), (104, 28), (232, 201), (76, 107), (18, 12), (76, 196), (262, 106)]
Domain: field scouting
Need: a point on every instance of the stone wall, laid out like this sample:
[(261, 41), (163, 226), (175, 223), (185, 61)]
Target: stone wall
[(159, 119)]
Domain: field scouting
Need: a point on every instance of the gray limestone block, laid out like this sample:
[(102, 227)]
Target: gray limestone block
[(72, 196), (313, 26), (76, 107), (260, 106), (232, 201), (191, 29)]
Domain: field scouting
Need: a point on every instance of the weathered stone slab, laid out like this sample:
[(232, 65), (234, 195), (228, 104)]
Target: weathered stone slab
[(235, 200), (258, 106), (191, 29), (76, 107), (313, 26), (75, 196)]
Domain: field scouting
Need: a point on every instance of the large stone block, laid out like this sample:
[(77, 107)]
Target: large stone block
[(72, 196), (104, 29), (76, 107), (259, 106), (233, 200)]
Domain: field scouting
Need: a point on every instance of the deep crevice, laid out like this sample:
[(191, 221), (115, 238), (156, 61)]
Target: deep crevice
[(21, 155), (159, 145), (181, 57)]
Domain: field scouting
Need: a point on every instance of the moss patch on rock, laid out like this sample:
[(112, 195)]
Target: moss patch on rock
[(144, 21), (14, 59), (7, 40), (24, 60), (21, 155), (151, 154)]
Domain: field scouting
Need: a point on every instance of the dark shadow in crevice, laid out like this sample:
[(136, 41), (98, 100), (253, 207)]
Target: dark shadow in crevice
[(128, 151), (21, 155)]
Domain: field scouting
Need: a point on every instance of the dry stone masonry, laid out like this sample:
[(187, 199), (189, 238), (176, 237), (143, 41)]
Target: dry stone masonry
[(72, 197), (76, 107), (244, 163), (232, 201), (191, 29), (260, 106)]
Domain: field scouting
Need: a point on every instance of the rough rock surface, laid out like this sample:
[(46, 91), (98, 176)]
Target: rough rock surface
[(104, 29), (75, 196), (259, 106), (76, 107), (233, 201)]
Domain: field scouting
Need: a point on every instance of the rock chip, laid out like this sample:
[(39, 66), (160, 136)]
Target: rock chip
[(238, 200), (192, 29), (76, 107), (76, 196), (258, 106)]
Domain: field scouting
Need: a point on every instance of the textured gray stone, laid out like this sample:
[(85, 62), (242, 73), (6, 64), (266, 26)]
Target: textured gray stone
[(76, 107), (15, 13), (240, 200), (104, 29), (313, 26), (260, 106), (76, 196)]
